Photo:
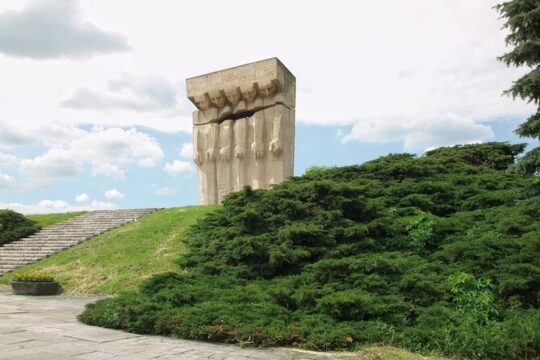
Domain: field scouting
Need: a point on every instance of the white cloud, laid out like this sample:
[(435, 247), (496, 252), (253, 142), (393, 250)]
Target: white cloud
[(82, 198), (116, 145), (420, 133), (100, 205), (164, 191), (48, 29), (108, 169), (7, 181), (147, 162), (55, 206), (113, 194), (145, 94), (55, 163), (178, 168), (8, 159), (11, 136), (106, 150), (57, 133), (187, 150)]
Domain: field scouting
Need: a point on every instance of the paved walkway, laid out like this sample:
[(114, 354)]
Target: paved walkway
[(46, 328)]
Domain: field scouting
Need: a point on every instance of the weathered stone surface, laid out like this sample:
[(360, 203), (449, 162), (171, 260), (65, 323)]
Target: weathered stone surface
[(243, 129)]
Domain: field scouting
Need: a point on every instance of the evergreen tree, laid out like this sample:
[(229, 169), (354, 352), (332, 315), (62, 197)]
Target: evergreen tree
[(523, 21)]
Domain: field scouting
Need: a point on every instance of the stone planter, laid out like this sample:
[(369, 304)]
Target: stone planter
[(35, 288)]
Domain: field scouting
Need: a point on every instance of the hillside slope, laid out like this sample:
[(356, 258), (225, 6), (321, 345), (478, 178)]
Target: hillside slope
[(439, 253), (120, 259)]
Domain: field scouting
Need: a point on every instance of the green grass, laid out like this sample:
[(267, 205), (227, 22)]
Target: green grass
[(45, 220), (120, 259)]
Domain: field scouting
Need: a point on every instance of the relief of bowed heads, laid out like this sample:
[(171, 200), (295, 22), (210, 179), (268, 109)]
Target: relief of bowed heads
[(217, 106), (236, 99), (256, 98), (201, 134), (251, 96), (269, 91)]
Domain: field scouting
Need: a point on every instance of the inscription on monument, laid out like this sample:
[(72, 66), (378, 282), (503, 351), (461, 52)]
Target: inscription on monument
[(243, 128)]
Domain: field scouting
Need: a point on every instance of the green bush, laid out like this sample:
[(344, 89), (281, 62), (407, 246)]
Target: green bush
[(14, 226), (438, 253)]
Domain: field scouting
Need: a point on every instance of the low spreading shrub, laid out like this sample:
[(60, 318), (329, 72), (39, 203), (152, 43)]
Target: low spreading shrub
[(14, 226), (438, 253)]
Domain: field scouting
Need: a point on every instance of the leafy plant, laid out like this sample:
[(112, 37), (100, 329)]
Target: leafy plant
[(473, 297), (412, 232)]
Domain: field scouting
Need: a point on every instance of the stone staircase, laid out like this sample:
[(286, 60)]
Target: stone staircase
[(61, 236)]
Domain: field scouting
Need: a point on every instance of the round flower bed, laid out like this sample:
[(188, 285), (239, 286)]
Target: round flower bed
[(34, 284)]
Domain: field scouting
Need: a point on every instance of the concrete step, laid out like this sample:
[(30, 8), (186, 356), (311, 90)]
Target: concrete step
[(5, 268), (51, 246), (44, 243), (19, 262), (26, 254), (30, 247), (64, 235), (13, 254)]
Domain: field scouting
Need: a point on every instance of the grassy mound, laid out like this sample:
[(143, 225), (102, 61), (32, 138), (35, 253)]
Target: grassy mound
[(120, 259), (435, 254), (45, 220), (14, 226)]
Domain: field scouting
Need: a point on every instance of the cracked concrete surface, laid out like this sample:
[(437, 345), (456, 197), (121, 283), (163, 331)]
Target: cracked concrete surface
[(46, 328)]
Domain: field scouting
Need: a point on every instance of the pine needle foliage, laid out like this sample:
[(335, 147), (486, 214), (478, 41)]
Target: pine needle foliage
[(523, 21), (436, 254), (14, 226)]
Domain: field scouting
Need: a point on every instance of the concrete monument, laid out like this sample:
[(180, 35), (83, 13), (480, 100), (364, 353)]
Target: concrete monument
[(243, 128)]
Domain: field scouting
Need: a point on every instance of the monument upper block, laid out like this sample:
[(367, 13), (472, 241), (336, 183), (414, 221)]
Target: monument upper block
[(262, 79), (243, 128)]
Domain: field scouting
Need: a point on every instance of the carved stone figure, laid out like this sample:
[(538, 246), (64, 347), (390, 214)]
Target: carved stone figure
[(240, 149), (243, 128), (207, 170), (224, 171)]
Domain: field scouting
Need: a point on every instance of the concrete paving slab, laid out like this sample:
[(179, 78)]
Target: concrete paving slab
[(46, 328)]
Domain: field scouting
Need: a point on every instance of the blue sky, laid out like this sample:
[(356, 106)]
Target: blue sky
[(93, 111), (317, 145)]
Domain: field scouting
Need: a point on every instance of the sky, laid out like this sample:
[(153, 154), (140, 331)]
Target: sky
[(93, 112)]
